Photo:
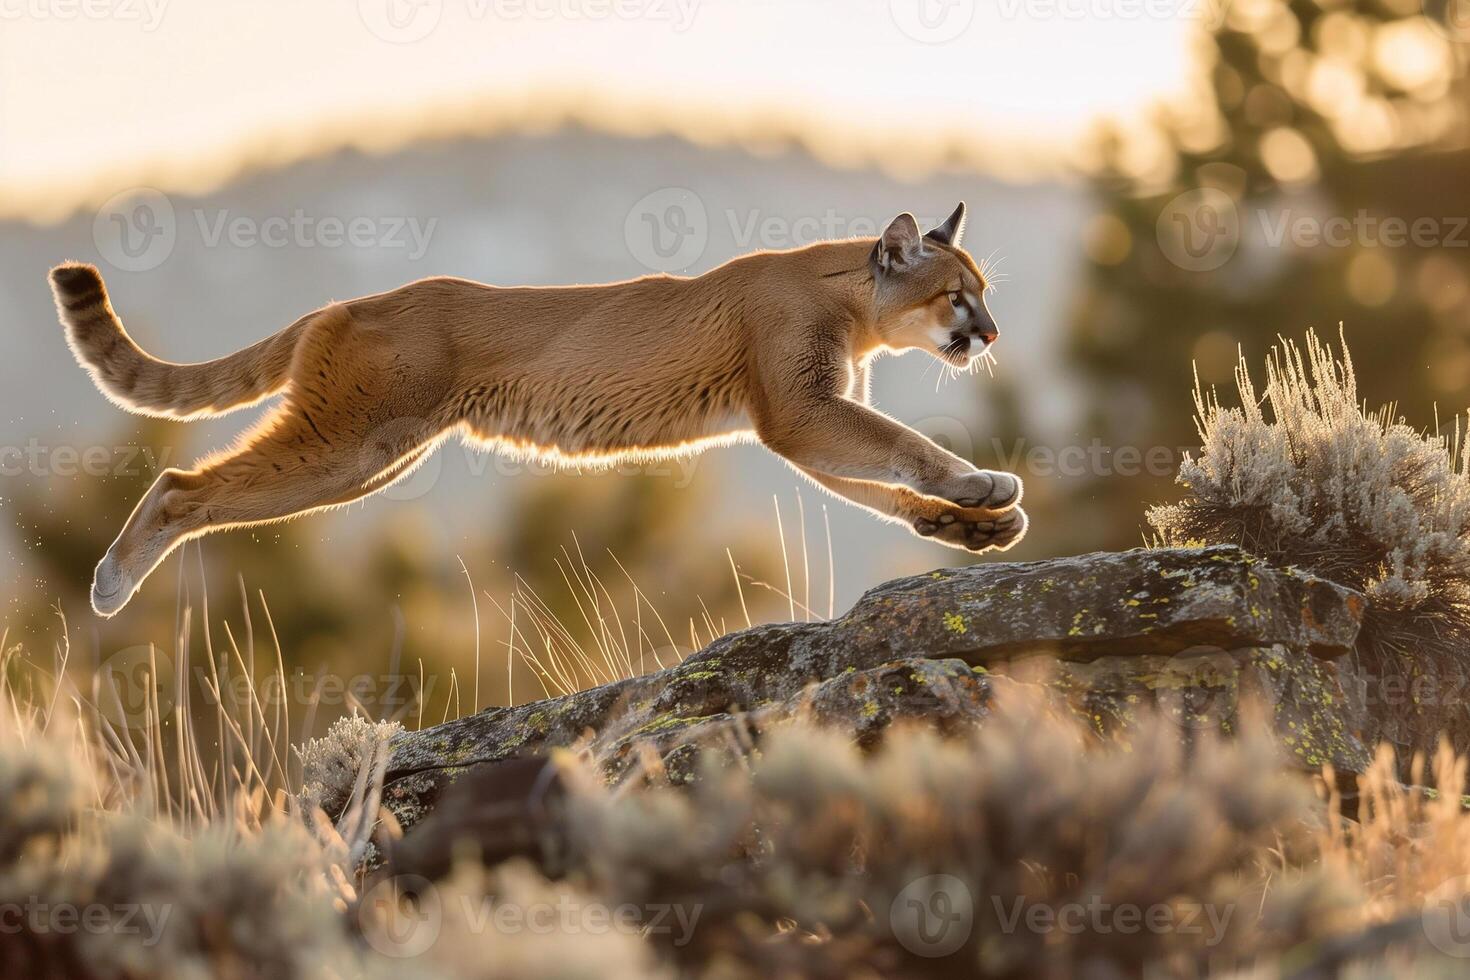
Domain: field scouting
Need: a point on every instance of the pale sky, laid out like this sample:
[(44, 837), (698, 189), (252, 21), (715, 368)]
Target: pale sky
[(100, 95)]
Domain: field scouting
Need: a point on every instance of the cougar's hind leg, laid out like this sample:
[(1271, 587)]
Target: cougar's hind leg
[(362, 408), (295, 463)]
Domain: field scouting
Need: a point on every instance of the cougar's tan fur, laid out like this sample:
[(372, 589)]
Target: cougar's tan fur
[(773, 346)]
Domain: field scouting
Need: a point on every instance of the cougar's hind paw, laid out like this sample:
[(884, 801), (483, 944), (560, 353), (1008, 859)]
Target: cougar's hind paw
[(111, 587)]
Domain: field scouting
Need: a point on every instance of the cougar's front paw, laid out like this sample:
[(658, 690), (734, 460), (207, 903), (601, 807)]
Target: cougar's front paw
[(1010, 527), (997, 532), (984, 488)]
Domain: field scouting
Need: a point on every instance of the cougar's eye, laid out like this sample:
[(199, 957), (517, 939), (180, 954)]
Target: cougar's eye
[(957, 300)]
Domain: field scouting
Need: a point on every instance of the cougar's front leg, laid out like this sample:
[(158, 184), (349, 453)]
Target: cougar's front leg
[(975, 529), (841, 438)]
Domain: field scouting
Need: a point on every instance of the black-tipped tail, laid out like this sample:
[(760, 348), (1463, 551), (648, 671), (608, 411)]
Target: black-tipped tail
[(139, 382), (77, 285)]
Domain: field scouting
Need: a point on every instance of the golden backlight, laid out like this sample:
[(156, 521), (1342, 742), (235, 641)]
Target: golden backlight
[(182, 94)]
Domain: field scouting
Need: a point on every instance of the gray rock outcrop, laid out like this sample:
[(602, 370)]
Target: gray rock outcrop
[(1193, 633)]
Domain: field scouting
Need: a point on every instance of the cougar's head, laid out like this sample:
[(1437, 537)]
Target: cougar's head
[(929, 293)]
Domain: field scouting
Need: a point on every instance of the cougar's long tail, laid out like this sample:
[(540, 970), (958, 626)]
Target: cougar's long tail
[(141, 383)]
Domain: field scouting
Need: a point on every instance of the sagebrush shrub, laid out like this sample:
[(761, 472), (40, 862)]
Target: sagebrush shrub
[(343, 759), (805, 863), (797, 859), (88, 892), (1303, 474)]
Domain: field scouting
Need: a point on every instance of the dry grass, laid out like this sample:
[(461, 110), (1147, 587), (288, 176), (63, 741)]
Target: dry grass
[(618, 632)]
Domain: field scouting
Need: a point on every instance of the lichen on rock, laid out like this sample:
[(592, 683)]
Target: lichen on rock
[(1192, 632)]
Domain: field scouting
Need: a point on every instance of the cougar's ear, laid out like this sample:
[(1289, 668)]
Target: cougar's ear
[(952, 230), (900, 245)]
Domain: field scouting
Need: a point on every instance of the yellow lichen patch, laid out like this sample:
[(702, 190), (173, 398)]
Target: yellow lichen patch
[(1076, 629), (954, 622)]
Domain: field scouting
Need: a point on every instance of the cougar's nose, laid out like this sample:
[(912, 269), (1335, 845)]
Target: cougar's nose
[(985, 327)]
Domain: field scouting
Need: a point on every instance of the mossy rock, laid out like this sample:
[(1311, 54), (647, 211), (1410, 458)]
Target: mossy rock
[(909, 649)]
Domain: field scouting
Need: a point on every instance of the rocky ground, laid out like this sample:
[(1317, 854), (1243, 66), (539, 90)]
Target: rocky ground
[(1211, 638)]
